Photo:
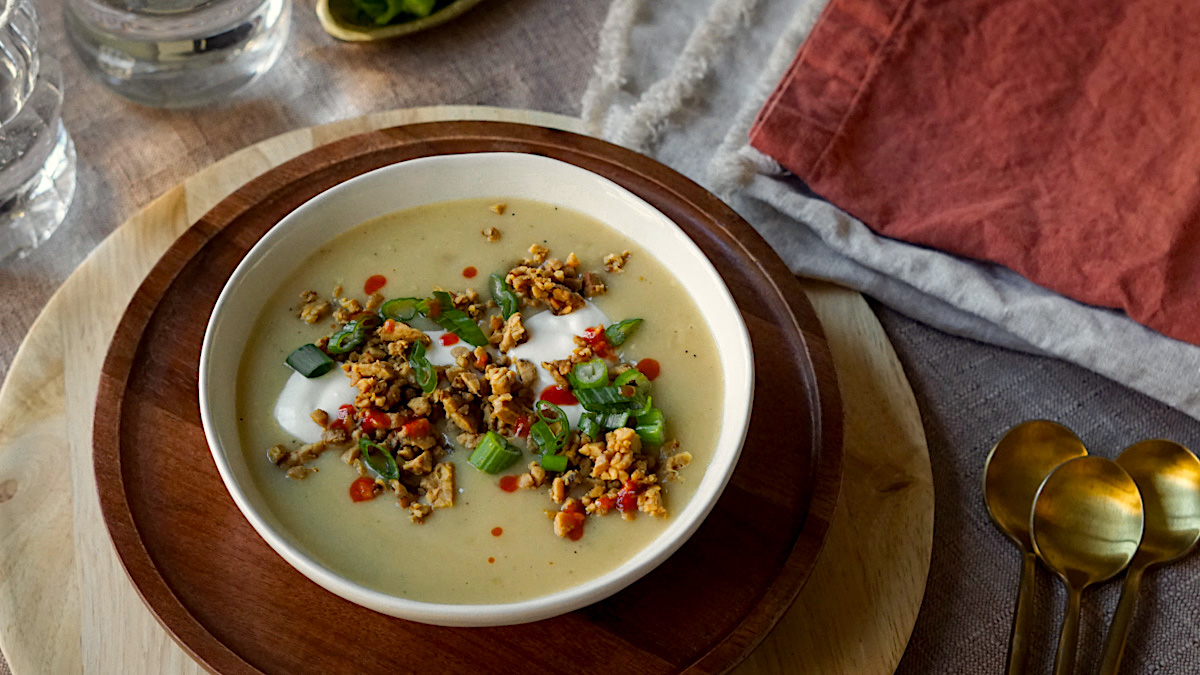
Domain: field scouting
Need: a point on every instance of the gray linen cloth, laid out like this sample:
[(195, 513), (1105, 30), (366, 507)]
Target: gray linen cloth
[(676, 75)]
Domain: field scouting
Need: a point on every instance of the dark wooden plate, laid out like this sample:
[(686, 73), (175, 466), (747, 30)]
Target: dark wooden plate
[(239, 608)]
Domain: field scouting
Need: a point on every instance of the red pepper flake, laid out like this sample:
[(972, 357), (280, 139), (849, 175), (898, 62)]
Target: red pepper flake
[(375, 419), (470, 272), (497, 531), (521, 428), (345, 418), (374, 283), (627, 497), (452, 339), (417, 428), (491, 560), (508, 483), (607, 503), (362, 490), (558, 395), (650, 368), (599, 342)]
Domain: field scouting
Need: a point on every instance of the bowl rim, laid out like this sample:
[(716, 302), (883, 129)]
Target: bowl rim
[(485, 614)]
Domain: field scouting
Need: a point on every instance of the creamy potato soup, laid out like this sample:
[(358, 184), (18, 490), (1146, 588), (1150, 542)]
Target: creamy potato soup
[(401, 456)]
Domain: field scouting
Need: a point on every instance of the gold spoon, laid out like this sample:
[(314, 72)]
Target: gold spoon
[(1014, 471), (1168, 476), (1086, 526)]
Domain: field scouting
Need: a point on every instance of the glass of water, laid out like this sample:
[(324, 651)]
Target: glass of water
[(177, 53), (37, 158)]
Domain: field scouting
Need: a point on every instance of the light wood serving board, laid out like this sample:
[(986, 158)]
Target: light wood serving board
[(66, 604)]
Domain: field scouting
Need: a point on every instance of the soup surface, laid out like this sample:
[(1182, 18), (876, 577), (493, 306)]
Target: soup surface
[(492, 546)]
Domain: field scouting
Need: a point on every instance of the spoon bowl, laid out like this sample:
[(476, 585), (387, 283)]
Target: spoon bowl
[(1015, 469), (1168, 477), (1086, 526)]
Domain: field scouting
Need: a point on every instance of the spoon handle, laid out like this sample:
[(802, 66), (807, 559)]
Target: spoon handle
[(1064, 662), (1018, 640), (1118, 630)]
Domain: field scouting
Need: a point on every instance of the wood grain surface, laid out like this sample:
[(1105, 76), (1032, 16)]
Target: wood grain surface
[(56, 554)]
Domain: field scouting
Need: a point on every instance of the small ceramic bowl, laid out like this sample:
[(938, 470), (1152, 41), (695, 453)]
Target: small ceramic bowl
[(436, 179), (331, 15)]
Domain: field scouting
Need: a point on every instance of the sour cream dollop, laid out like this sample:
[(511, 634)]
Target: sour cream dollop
[(550, 338)]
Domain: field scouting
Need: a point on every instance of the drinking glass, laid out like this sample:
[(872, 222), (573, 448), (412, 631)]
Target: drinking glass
[(177, 53), (37, 158)]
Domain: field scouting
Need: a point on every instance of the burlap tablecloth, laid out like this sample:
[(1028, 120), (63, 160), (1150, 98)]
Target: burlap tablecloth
[(539, 54)]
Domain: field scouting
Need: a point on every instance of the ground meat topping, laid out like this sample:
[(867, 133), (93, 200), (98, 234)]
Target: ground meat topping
[(544, 280), (312, 309), (483, 391)]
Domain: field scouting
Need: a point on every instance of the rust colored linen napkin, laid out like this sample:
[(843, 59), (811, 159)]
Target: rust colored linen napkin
[(1058, 138)]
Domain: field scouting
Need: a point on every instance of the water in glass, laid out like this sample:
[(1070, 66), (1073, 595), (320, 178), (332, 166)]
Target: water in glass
[(37, 158), (177, 53)]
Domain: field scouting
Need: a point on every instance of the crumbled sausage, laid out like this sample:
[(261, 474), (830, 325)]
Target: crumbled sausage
[(538, 253), (312, 308), (439, 486), (398, 331), (498, 209), (513, 333), (300, 472), (491, 234), (615, 262), (420, 465), (593, 285)]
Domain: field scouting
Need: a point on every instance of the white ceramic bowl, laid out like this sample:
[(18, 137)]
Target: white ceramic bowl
[(436, 179)]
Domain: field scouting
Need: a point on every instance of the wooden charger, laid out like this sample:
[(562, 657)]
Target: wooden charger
[(239, 608)]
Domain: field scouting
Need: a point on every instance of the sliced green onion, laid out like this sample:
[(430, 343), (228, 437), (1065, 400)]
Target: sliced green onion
[(378, 459), (493, 454), (589, 425), (589, 374), (556, 416), (614, 420), (426, 375), (309, 361), (634, 377), (541, 435), (651, 426), (347, 338), (401, 309), (506, 298), (611, 399), (556, 463), (455, 320), (620, 331)]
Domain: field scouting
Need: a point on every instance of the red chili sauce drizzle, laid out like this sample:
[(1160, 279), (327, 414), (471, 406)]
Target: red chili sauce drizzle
[(599, 342), (452, 339), (558, 395), (578, 517), (374, 283), (470, 272), (497, 531), (508, 483), (649, 368), (362, 490)]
